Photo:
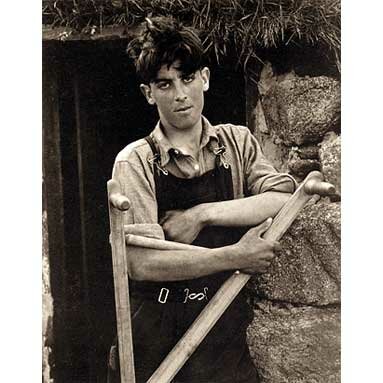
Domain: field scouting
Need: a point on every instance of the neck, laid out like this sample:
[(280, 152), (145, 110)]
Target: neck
[(188, 140)]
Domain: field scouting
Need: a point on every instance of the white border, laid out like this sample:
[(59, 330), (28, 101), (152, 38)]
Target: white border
[(20, 211), (362, 150)]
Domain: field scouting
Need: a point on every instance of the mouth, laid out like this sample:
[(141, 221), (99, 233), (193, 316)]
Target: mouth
[(183, 109)]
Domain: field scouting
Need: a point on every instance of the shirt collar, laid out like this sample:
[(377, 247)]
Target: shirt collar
[(209, 135)]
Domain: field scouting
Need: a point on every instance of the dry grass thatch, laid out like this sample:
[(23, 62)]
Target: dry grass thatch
[(246, 25)]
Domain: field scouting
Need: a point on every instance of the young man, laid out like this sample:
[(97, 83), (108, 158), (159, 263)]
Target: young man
[(202, 183)]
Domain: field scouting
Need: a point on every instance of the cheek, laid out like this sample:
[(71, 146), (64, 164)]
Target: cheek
[(164, 108), (163, 101), (198, 97)]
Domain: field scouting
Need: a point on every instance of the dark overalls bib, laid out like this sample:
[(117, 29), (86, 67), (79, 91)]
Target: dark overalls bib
[(163, 311)]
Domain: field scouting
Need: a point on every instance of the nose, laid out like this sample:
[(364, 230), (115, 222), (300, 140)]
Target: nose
[(180, 94)]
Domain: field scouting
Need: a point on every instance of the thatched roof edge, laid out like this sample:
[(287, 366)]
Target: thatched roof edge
[(248, 25)]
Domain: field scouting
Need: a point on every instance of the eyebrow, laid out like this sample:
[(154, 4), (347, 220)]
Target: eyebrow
[(167, 79), (161, 79)]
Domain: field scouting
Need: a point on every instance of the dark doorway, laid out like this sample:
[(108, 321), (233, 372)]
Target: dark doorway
[(100, 110)]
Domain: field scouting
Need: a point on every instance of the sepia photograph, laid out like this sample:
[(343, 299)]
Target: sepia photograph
[(191, 191)]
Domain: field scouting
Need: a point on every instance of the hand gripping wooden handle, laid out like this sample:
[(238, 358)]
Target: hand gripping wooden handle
[(230, 289)]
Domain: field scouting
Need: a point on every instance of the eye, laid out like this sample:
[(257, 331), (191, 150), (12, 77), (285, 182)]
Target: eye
[(188, 79), (163, 85)]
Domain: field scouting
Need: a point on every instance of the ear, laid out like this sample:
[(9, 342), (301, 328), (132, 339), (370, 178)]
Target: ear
[(147, 92), (205, 74)]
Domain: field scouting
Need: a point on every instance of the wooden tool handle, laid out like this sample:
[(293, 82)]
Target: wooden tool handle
[(118, 200), (121, 283), (321, 188), (151, 230), (230, 289), (158, 244)]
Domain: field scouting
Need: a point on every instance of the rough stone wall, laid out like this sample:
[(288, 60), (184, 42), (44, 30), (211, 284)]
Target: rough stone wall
[(295, 334), (297, 120)]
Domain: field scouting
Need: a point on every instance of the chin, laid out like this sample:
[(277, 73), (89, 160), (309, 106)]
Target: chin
[(185, 123)]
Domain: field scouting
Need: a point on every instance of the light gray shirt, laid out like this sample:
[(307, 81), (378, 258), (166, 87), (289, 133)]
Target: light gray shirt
[(251, 171)]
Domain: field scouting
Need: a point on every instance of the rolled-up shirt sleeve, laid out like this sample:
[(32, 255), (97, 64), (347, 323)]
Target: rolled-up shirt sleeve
[(260, 175)]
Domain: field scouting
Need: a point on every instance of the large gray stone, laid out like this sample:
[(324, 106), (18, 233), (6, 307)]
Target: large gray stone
[(300, 167), (330, 158), (307, 270), (301, 110), (295, 344), (310, 152), (276, 153), (302, 160)]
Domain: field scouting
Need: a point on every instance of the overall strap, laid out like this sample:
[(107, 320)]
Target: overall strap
[(150, 141), (219, 152), (155, 160)]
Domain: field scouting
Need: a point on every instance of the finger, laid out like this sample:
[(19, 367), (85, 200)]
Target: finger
[(271, 245), (166, 216), (267, 262), (163, 219), (164, 223), (263, 227), (255, 270), (268, 257), (248, 271), (277, 246)]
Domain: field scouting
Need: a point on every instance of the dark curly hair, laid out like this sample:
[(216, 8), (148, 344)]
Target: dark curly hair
[(163, 41)]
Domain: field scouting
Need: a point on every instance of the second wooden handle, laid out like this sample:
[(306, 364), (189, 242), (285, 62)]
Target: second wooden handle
[(158, 244)]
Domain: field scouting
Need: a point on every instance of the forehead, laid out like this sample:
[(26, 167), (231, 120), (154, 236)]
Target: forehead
[(170, 72)]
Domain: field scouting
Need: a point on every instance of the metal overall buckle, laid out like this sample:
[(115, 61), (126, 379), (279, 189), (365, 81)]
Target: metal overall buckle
[(221, 152), (195, 296), (163, 295), (154, 161)]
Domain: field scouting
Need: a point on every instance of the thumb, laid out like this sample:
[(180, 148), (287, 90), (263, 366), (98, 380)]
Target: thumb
[(264, 226)]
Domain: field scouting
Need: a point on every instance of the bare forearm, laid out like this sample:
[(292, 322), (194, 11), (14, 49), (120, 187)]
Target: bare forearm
[(248, 211), (169, 265)]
